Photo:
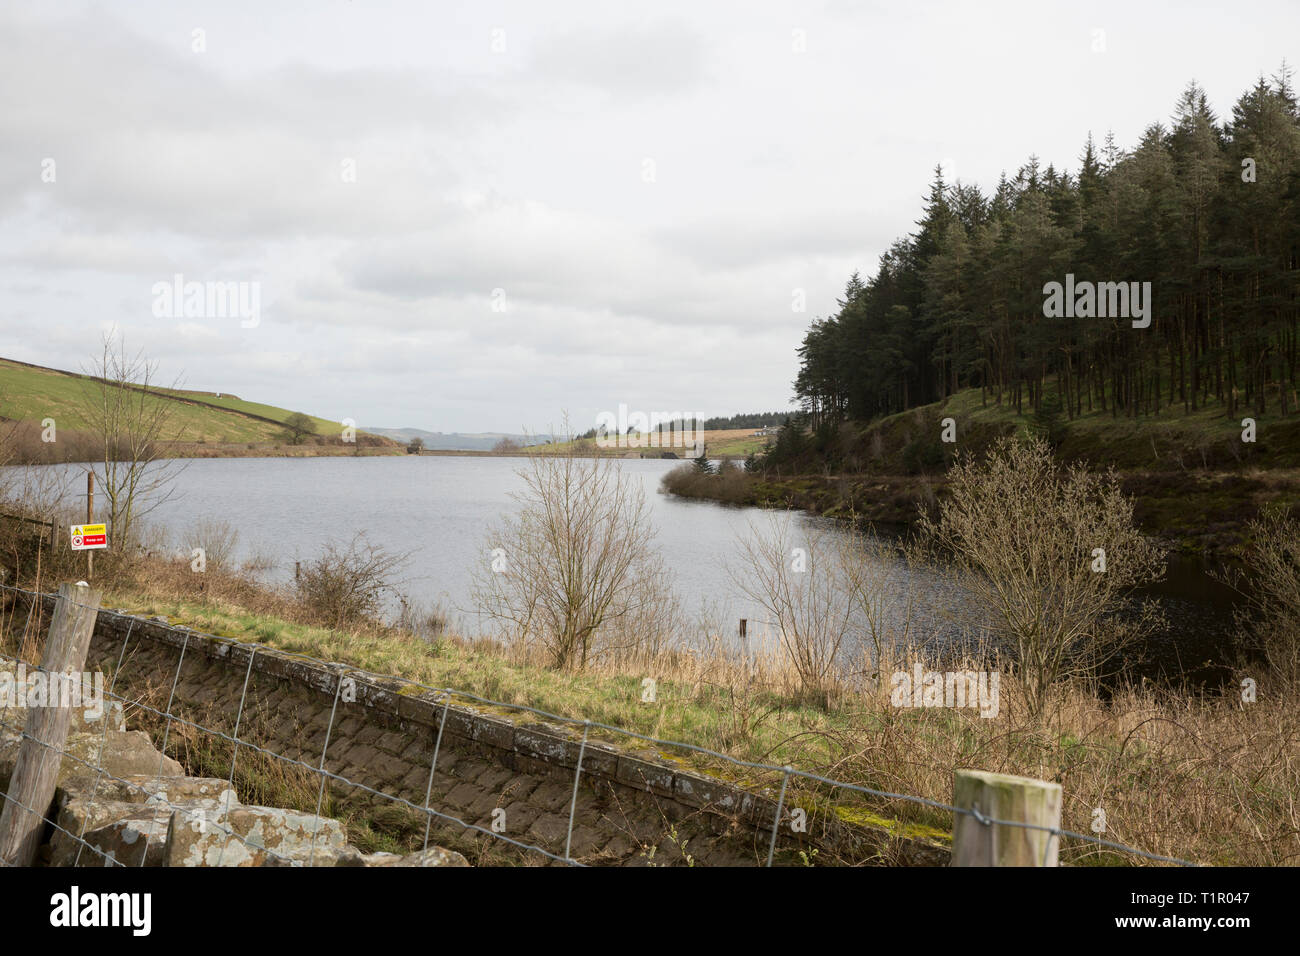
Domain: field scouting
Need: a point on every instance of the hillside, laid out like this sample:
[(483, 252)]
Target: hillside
[(220, 424), (1194, 481), (1175, 439)]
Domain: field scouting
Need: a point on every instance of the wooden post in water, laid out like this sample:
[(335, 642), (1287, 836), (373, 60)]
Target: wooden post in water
[(1002, 797), (40, 754), (744, 645)]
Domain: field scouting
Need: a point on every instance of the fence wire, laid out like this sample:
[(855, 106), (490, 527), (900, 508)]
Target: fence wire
[(443, 695)]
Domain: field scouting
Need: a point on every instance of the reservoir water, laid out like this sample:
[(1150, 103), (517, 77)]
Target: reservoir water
[(437, 510)]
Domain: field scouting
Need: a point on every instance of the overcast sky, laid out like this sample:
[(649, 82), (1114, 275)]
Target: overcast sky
[(555, 207)]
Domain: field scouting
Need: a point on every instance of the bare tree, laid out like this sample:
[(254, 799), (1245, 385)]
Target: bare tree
[(1049, 557), (122, 409), (1271, 605), (884, 583), (216, 538), (576, 568), (802, 585)]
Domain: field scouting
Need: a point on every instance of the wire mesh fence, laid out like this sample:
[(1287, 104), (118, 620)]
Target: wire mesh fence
[(798, 793)]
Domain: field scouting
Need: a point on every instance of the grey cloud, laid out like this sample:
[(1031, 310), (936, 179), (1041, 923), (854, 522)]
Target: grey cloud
[(657, 59), (145, 136)]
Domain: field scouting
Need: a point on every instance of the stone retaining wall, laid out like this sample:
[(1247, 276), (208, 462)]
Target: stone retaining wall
[(632, 807)]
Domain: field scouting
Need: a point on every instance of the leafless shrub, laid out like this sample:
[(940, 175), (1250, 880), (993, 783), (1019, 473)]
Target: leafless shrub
[(217, 538), (1050, 557), (346, 586), (802, 586), (33, 498), (1272, 591), (576, 569), (257, 563), (425, 620), (883, 583)]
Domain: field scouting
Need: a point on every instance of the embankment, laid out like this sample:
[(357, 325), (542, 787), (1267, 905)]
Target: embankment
[(499, 769)]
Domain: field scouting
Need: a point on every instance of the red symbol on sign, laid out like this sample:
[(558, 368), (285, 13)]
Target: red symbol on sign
[(76, 540)]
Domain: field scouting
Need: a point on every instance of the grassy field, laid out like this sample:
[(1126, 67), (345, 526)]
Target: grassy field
[(724, 443), (30, 394), (323, 425)]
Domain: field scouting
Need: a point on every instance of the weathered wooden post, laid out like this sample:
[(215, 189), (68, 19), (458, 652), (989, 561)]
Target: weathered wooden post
[(90, 519), (40, 752), (744, 645), (1002, 797)]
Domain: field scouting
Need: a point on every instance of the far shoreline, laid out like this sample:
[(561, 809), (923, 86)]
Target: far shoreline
[(197, 451)]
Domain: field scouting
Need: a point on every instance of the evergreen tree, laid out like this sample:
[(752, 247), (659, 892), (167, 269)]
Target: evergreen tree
[(1207, 212)]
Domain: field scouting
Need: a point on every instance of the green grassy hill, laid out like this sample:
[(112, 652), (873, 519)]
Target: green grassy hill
[(255, 409), (1175, 440), (30, 393)]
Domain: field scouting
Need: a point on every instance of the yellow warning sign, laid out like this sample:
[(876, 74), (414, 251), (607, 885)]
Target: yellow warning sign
[(89, 536)]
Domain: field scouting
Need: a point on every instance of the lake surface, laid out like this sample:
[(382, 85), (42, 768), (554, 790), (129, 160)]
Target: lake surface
[(438, 510)]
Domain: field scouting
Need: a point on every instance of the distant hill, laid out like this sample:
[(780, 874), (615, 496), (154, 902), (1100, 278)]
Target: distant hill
[(453, 441)]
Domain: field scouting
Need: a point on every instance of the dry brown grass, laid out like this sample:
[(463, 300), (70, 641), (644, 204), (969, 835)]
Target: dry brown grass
[(1203, 778)]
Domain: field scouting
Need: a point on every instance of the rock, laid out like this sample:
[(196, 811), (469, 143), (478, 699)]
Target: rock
[(380, 859), (434, 856), (13, 718), (324, 856), (111, 815), (114, 715), (13, 701), (146, 788), (259, 833), (351, 856), (116, 753), (135, 836)]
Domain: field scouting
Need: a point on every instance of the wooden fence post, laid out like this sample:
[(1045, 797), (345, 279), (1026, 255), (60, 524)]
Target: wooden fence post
[(40, 753), (1002, 797), (90, 519)]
